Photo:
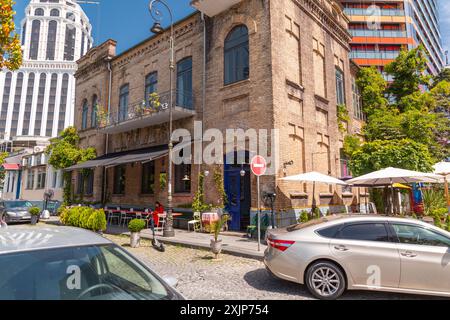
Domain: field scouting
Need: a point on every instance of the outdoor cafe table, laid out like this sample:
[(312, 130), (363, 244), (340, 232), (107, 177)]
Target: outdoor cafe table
[(140, 212)]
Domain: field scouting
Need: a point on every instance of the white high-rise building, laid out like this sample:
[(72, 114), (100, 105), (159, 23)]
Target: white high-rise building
[(37, 101)]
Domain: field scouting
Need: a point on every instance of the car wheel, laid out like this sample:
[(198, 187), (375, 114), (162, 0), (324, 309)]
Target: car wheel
[(325, 280)]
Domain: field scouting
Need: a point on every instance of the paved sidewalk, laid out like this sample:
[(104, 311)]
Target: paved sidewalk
[(235, 244)]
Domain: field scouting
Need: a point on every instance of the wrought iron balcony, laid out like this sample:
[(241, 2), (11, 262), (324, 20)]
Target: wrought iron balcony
[(153, 112)]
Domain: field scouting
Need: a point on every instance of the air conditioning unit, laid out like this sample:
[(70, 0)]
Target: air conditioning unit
[(38, 149)]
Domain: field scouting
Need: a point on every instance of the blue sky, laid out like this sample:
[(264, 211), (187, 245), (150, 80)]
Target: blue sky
[(130, 24)]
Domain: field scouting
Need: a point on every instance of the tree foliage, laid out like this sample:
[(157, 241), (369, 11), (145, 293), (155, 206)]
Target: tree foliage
[(65, 152), (379, 154), (408, 71), (444, 75), (10, 49), (406, 127), (372, 86)]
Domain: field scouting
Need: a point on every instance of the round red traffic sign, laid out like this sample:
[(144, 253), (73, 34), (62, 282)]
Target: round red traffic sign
[(258, 165)]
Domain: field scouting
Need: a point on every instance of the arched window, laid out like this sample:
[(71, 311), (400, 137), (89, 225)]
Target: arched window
[(39, 12), (184, 83), (5, 102), (24, 33), (63, 104), (123, 102), (94, 111), (40, 104), (236, 55), (28, 104), (51, 105), (69, 46), (34, 45), (84, 115), (54, 13), (51, 39)]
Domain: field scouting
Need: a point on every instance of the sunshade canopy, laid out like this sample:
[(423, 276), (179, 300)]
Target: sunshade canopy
[(114, 159), (11, 167), (314, 177), (390, 176), (442, 168)]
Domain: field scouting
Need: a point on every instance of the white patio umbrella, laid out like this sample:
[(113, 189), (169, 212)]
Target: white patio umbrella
[(314, 177), (389, 176), (443, 169)]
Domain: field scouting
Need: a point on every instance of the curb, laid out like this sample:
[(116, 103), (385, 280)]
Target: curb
[(193, 245)]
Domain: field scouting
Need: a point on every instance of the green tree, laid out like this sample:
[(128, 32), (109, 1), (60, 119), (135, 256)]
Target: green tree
[(408, 71), (373, 87), (3, 156), (379, 154), (440, 95), (444, 75), (10, 49), (65, 152)]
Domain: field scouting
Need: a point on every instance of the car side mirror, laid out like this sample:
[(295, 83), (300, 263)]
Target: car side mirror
[(171, 281)]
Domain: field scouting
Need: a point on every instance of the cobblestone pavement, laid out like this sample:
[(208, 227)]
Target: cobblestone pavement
[(201, 278)]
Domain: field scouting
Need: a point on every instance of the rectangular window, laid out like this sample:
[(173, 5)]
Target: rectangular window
[(89, 182), (151, 86), (30, 180), (148, 178), (184, 83), (80, 183), (183, 185), (119, 179), (357, 101), (340, 87), (41, 179), (123, 103), (55, 179)]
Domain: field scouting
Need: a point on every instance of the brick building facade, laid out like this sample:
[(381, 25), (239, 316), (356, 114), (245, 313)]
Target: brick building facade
[(257, 65)]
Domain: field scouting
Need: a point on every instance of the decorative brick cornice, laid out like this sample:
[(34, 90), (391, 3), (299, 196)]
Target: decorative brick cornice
[(317, 10)]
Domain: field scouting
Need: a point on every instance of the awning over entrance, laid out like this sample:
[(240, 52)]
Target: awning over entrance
[(124, 157), (10, 167)]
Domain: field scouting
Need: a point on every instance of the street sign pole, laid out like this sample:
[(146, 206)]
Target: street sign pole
[(259, 167), (259, 215)]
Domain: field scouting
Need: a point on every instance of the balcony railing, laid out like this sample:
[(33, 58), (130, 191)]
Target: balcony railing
[(389, 55), (378, 33), (155, 111), (370, 12)]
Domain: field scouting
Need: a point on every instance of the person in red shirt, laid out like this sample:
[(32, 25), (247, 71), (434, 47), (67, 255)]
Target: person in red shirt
[(159, 209)]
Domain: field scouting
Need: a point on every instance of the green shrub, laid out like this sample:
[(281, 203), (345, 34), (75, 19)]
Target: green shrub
[(304, 216), (34, 211), (136, 225), (84, 217)]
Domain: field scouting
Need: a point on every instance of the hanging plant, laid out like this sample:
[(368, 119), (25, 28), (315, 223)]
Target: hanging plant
[(162, 180)]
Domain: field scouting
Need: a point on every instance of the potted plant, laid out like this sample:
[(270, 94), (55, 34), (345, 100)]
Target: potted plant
[(135, 227), (35, 212), (216, 243)]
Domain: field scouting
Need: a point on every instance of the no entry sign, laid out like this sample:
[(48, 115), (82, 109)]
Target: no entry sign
[(259, 166)]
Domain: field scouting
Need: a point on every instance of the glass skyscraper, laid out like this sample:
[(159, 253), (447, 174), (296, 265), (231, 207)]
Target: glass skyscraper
[(380, 29)]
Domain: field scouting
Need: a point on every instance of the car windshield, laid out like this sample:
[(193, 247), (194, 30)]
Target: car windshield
[(78, 273), (17, 204)]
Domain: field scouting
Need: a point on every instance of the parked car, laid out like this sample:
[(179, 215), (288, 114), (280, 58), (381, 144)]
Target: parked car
[(15, 211), (333, 254), (64, 263)]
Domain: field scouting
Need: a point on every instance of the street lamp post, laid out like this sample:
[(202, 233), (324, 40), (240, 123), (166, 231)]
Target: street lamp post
[(157, 29)]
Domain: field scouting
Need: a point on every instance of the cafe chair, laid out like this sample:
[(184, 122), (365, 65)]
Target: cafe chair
[(161, 222), (196, 223)]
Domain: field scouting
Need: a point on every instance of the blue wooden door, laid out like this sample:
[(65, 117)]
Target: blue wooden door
[(233, 189)]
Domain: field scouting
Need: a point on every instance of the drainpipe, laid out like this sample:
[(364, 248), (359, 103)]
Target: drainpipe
[(203, 83), (107, 135)]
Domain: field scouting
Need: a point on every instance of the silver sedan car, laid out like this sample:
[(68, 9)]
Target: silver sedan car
[(63, 263), (336, 253), (15, 211)]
